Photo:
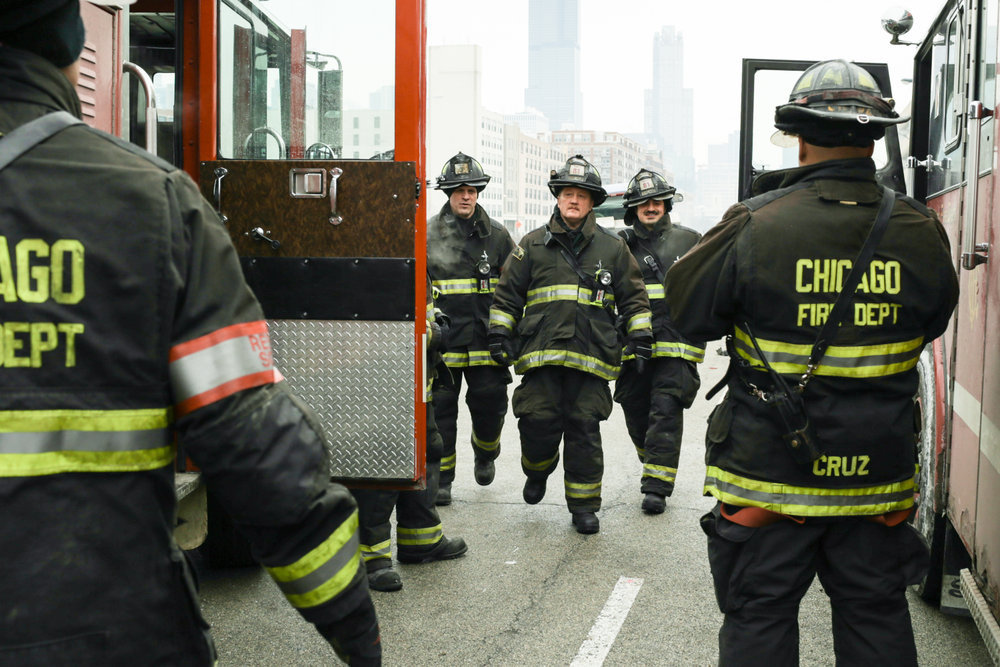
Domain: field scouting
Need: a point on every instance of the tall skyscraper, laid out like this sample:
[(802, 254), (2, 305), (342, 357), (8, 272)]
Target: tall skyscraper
[(554, 62), (669, 107)]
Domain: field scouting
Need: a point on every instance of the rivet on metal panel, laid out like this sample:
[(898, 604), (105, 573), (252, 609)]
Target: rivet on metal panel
[(304, 314), (408, 261), (305, 261), (356, 316), (357, 261), (395, 196), (253, 261)]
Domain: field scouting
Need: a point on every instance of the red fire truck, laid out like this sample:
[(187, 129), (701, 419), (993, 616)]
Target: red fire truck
[(952, 166), (303, 123)]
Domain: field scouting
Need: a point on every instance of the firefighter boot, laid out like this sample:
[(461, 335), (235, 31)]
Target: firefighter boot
[(586, 523), (534, 491), (446, 549), (384, 579), (484, 471), (654, 503), (444, 495)]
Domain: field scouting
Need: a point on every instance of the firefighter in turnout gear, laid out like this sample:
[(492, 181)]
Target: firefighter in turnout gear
[(767, 277), (654, 395), (554, 318), (128, 328), (465, 250), (420, 537)]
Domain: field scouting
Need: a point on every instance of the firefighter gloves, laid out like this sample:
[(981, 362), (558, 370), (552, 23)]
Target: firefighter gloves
[(642, 349), (501, 349)]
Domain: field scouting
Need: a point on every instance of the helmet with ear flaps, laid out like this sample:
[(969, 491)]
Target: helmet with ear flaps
[(579, 173), (836, 103)]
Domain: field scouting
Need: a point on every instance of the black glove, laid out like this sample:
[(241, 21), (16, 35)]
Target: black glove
[(355, 638), (444, 324), (501, 349), (433, 336), (643, 350)]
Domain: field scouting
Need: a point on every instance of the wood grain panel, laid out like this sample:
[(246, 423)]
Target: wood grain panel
[(376, 200)]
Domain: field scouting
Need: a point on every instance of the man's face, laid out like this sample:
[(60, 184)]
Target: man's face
[(574, 205), (463, 201), (650, 211)]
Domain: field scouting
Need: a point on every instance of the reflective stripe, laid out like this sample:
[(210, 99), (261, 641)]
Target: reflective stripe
[(640, 321), (468, 358), (323, 573), (499, 318), (419, 536), (806, 501), (655, 291), (486, 445), (857, 361), (380, 550), (462, 286), (566, 358), (540, 466), (574, 490), (678, 349), (659, 472), (219, 364), (448, 462), (49, 442), (578, 293)]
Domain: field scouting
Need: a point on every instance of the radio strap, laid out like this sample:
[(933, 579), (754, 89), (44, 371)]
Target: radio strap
[(27, 136)]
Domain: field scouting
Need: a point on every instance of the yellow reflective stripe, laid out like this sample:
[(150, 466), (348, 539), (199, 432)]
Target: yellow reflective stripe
[(566, 358), (576, 490), (581, 295), (659, 472), (655, 291), (448, 462), (499, 318), (856, 361), (678, 349), (540, 466), (324, 572), (809, 501), (419, 536), (642, 320), (462, 286), (484, 444), (49, 442), (468, 358), (380, 550)]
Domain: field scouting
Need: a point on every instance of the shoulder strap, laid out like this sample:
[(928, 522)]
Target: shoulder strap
[(860, 266), (27, 136)]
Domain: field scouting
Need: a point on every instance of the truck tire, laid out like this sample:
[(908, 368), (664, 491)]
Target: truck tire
[(225, 547), (929, 519)]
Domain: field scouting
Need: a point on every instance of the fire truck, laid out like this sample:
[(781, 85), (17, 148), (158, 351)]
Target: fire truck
[(303, 123), (952, 166)]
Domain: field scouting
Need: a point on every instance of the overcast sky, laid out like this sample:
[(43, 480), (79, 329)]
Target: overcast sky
[(616, 47)]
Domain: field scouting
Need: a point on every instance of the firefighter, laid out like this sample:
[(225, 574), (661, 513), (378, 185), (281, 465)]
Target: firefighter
[(766, 277), (554, 317), (465, 250), (654, 398), (420, 537), (128, 324)]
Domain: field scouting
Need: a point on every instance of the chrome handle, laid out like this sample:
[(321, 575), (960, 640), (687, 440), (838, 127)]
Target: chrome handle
[(258, 234), (335, 218), (970, 257), (147, 86), (220, 173)]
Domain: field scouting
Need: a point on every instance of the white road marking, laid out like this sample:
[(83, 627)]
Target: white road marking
[(609, 622)]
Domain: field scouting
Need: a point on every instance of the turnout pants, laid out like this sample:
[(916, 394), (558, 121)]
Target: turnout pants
[(486, 396), (761, 575), (654, 404), (418, 525), (555, 403)]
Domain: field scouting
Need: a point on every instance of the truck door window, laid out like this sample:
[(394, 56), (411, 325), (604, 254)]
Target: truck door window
[(947, 107), (337, 57)]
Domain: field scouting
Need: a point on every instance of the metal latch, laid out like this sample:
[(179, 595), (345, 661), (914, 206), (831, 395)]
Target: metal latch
[(309, 183)]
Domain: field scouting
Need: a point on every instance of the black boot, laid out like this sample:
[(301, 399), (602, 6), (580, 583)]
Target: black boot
[(534, 491), (586, 523), (484, 470), (446, 549), (654, 503), (444, 495), (384, 579)]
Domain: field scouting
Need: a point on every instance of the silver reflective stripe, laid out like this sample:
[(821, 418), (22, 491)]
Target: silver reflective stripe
[(206, 369), (325, 572), (81, 441)]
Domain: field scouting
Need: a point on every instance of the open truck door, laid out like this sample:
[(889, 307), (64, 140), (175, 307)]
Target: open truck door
[(766, 84)]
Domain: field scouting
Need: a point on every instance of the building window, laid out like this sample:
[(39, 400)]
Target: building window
[(356, 122), (378, 123)]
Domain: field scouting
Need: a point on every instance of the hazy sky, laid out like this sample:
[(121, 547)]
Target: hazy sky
[(616, 48)]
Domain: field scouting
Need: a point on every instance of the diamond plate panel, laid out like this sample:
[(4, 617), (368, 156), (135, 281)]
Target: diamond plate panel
[(359, 378)]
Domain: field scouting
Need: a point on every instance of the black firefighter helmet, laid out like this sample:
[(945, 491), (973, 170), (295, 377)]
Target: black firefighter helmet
[(581, 174), (647, 185), (837, 103), (462, 170)]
